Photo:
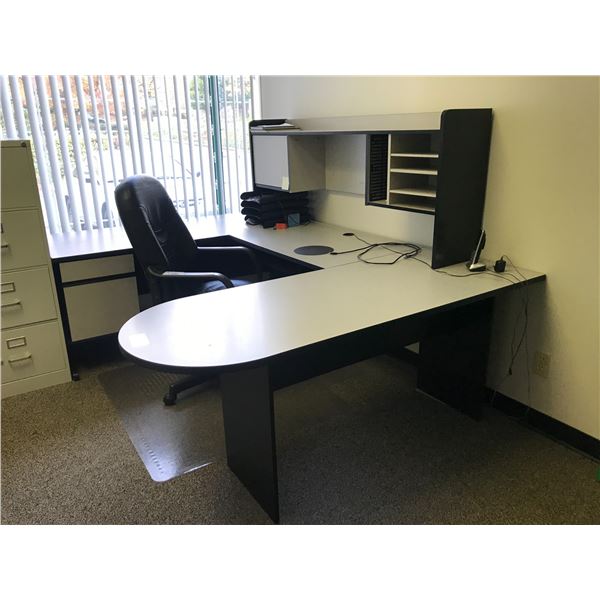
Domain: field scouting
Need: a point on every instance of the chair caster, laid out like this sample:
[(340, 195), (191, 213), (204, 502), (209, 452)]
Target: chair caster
[(169, 399)]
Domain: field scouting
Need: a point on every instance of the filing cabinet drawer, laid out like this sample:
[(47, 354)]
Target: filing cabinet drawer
[(23, 239), (96, 267), (32, 350), (27, 297), (17, 181), (100, 308)]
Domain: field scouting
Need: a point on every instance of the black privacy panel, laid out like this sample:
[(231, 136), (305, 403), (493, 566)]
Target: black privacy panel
[(378, 164)]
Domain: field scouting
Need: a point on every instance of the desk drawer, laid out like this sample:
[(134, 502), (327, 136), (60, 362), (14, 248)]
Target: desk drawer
[(32, 350), (27, 297), (100, 308), (79, 270), (23, 239)]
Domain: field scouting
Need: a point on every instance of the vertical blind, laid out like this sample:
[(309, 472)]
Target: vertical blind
[(90, 132)]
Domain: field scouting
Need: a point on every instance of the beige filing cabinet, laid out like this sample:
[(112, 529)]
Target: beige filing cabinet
[(33, 347)]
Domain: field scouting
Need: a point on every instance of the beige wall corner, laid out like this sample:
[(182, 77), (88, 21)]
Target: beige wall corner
[(541, 210)]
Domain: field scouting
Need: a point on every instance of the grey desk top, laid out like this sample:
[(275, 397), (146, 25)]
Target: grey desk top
[(254, 322), (101, 242), (92, 244)]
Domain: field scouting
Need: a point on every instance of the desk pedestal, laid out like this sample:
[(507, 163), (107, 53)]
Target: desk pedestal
[(453, 355), (452, 367)]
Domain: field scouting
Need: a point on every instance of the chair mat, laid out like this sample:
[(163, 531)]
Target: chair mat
[(170, 440)]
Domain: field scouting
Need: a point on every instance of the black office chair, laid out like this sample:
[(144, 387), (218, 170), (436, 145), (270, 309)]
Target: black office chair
[(174, 265)]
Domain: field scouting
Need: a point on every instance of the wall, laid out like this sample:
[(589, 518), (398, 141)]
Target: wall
[(541, 210)]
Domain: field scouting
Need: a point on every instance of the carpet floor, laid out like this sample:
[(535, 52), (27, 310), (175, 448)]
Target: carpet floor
[(358, 446)]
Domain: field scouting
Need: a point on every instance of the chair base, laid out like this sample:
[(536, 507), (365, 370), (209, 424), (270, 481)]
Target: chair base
[(170, 398)]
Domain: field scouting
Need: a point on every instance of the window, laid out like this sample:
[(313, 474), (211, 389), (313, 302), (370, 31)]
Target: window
[(89, 132)]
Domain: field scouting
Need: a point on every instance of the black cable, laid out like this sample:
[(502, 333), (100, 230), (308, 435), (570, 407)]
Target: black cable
[(515, 347), (361, 240), (353, 250), (446, 272), (525, 299), (474, 274), (364, 250), (415, 250)]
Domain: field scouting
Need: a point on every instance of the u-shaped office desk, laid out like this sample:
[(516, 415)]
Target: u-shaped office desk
[(269, 335)]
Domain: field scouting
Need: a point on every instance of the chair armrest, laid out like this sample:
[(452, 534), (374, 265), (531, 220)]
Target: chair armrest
[(192, 275), (232, 250)]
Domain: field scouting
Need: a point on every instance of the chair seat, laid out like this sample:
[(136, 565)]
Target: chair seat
[(213, 286)]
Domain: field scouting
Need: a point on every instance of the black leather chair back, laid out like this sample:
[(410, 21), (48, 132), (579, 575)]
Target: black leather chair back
[(158, 235)]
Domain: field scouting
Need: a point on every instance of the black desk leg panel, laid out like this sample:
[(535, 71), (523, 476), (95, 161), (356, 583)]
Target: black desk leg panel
[(247, 398), (452, 367), (453, 355)]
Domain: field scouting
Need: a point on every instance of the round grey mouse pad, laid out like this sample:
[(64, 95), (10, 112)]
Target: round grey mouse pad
[(313, 250)]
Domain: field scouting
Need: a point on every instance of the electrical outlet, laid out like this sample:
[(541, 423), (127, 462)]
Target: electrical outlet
[(541, 364)]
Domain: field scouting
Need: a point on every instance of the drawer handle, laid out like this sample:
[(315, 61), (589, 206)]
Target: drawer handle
[(8, 286), (16, 342), (13, 303), (25, 357), (4, 245)]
